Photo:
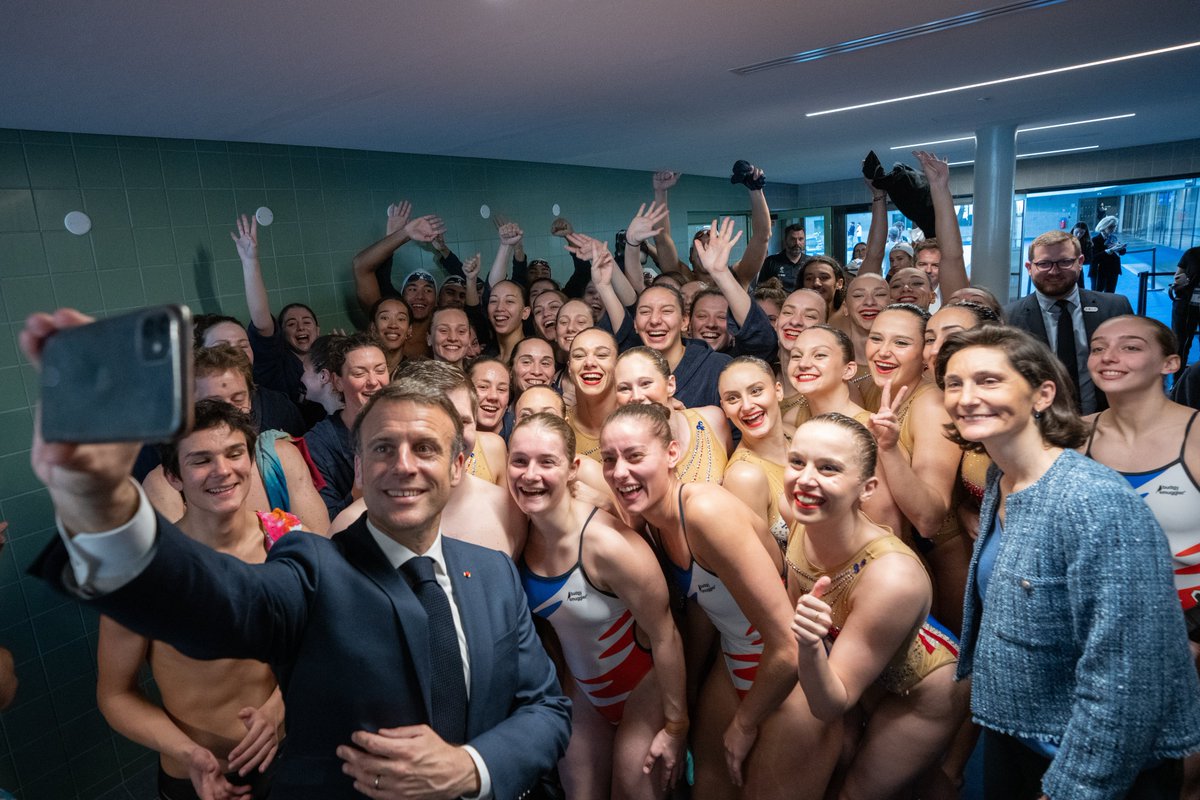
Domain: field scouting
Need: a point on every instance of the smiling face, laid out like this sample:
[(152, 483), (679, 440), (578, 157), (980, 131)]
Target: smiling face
[(867, 296), (537, 270), (821, 278), (539, 471), (506, 308), (1126, 357), (545, 313), (450, 335), (363, 374), (214, 470), (946, 321), (911, 286), (229, 386), (596, 305), (420, 295), (750, 399), (533, 363), (802, 309), (491, 384), (591, 362), (639, 381), (929, 261), (988, 400), (824, 477), (452, 295), (710, 320), (637, 466), (573, 316), (895, 347), (659, 320), (1055, 268), (299, 329), (407, 468), (898, 259), (817, 363), (392, 325), (229, 333)]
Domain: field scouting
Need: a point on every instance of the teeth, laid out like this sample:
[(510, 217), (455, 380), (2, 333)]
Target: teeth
[(403, 492), (809, 500), (629, 489)]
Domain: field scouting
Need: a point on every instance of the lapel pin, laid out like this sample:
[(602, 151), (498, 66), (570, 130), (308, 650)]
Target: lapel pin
[(466, 573), (1090, 308)]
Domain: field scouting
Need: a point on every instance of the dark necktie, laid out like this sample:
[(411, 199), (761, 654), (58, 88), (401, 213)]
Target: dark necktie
[(449, 714), (1066, 345)]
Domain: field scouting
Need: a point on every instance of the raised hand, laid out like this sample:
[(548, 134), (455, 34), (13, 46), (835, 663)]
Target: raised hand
[(258, 746), (885, 424), (646, 224), (246, 238), (714, 254), (398, 215), (511, 234), (561, 227), (423, 229), (470, 270), (664, 180), (936, 170), (813, 617), (876, 194)]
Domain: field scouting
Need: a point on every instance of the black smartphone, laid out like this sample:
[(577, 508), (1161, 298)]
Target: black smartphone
[(122, 379)]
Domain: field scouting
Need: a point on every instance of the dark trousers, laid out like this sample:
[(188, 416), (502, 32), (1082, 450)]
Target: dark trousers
[(1011, 771), (1184, 319), (181, 788)]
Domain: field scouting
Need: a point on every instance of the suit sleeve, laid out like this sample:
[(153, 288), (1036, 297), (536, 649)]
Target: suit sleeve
[(531, 740)]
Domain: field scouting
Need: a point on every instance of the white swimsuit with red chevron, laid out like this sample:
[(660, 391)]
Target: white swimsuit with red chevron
[(596, 630), (741, 644)]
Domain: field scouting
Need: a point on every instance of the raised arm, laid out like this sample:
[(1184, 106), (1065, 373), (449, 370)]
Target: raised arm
[(952, 270), (646, 224), (668, 255), (603, 265), (246, 241), (401, 229), (760, 235), (715, 257), (877, 234), (510, 236)]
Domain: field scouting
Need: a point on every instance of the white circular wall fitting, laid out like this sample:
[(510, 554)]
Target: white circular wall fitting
[(77, 222), (485, 211), (555, 210), (264, 215)]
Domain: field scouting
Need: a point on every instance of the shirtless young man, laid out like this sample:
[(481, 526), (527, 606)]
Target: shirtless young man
[(221, 721)]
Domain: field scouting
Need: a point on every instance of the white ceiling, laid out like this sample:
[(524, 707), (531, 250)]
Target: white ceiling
[(641, 84)]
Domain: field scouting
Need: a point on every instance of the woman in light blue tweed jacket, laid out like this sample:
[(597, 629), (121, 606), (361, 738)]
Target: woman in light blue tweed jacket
[(1072, 632)]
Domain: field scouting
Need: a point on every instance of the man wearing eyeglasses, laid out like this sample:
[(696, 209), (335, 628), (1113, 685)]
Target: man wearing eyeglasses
[(1061, 314)]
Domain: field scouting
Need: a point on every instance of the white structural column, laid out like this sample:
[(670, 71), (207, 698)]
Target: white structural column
[(991, 240)]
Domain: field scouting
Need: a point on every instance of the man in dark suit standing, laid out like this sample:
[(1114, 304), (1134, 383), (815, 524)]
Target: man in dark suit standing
[(408, 661), (1061, 314)]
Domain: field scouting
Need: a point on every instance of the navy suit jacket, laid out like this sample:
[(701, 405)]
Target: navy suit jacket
[(349, 643), (1097, 307)]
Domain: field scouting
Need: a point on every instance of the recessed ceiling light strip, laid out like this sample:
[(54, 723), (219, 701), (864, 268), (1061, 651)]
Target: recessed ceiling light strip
[(1032, 155), (1040, 74), (1019, 130), (900, 34)]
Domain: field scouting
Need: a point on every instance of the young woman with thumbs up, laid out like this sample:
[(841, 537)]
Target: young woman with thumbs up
[(868, 649)]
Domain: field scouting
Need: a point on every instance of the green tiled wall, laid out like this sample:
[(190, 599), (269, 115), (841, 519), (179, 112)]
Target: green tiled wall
[(161, 213)]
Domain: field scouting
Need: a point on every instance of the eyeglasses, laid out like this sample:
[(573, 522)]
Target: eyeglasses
[(1062, 264)]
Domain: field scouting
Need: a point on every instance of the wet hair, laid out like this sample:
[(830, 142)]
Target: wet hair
[(552, 423), (707, 291), (1163, 336), (517, 349), (445, 310), (657, 418), (845, 344), (556, 292), (675, 277), (650, 354), (911, 308), (202, 323), (752, 361), (321, 353), (982, 313), (441, 376), (379, 303), (1059, 423), (343, 346), (553, 284), (283, 312), (410, 390), (771, 289), (1051, 238), (675, 293), (991, 300), (520, 289), (210, 414), (868, 450), (562, 404), (221, 357)]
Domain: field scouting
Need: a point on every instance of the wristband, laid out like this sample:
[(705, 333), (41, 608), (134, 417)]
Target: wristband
[(631, 243), (676, 728), (877, 197)]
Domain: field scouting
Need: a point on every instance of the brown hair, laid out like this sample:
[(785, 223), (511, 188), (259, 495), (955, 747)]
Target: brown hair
[(654, 416), (553, 423), (209, 414), (1051, 238), (753, 361), (924, 244), (441, 376), (844, 342), (411, 390), (1059, 424), (220, 358), (868, 450), (650, 354), (1160, 333)]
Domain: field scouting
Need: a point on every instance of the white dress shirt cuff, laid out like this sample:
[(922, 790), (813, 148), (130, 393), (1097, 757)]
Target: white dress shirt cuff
[(105, 561), (485, 779)]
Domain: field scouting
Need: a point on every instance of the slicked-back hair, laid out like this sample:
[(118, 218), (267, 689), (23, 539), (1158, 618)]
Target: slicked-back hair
[(411, 390)]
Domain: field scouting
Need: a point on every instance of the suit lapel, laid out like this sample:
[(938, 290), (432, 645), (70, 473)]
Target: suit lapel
[(1033, 318), (360, 550), (470, 596), (1093, 315)]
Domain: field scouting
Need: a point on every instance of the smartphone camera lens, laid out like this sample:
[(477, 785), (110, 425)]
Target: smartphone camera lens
[(155, 335)]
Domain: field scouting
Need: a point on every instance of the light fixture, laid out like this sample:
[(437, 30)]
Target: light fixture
[(1039, 74), (1033, 155), (1019, 130)]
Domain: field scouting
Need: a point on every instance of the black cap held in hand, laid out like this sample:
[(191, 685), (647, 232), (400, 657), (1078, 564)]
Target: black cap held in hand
[(743, 173)]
